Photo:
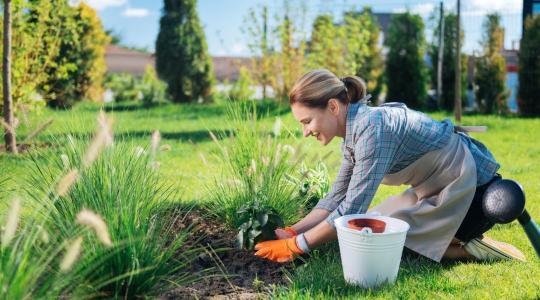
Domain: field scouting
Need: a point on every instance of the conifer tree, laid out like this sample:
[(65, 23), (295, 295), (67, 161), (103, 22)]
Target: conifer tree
[(529, 68), (405, 69), (181, 52)]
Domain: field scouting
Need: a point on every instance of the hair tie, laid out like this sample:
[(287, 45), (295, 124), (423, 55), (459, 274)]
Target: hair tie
[(366, 99)]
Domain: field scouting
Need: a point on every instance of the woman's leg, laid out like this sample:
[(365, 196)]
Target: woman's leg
[(455, 251)]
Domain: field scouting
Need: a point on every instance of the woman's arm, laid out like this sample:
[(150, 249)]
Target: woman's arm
[(320, 234), (315, 217), (326, 205)]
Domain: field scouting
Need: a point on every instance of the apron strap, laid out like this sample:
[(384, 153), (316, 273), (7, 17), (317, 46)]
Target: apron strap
[(466, 129)]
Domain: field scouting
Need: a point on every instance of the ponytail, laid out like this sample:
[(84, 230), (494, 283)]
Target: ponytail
[(356, 88)]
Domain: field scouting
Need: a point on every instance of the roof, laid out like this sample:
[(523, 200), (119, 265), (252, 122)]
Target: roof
[(123, 60)]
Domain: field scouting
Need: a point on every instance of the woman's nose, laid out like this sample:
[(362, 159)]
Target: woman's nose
[(307, 132)]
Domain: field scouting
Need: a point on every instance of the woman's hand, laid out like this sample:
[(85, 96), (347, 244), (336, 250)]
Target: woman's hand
[(285, 233)]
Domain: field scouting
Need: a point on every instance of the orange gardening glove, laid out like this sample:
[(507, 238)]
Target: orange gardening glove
[(278, 250), (285, 233)]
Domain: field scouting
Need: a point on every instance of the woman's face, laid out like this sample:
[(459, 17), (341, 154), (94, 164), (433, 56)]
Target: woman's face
[(322, 123)]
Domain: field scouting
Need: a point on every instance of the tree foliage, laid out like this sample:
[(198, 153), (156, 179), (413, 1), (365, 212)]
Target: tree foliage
[(79, 67), (289, 62), (278, 48), (35, 43), (181, 52), (449, 63), (371, 68), (340, 48), (490, 75), (529, 68), (257, 28), (406, 74)]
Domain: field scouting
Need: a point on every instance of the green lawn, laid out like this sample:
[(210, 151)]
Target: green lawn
[(191, 165)]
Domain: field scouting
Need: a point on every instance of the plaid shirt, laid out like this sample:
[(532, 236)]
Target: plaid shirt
[(386, 139)]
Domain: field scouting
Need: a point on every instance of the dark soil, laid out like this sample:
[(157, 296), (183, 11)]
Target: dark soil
[(237, 274), (26, 147)]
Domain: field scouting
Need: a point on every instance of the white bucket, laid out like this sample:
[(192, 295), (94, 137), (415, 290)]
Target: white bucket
[(371, 259)]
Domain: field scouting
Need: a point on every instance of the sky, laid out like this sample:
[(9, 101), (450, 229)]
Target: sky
[(137, 21)]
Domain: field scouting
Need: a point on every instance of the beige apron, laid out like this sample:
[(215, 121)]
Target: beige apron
[(443, 183)]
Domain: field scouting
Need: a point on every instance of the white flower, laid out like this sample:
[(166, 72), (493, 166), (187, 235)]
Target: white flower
[(94, 221), (71, 255), (139, 151), (12, 222), (277, 127), (65, 161)]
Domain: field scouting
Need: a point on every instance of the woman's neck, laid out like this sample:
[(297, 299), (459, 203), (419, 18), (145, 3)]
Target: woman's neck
[(343, 127)]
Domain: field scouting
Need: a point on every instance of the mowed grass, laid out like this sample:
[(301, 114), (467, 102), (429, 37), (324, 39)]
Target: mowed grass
[(191, 165)]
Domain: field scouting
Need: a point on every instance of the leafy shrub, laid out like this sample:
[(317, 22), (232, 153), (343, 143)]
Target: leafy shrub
[(258, 223), (126, 87), (152, 89), (124, 187), (256, 164), (242, 88), (123, 85), (78, 69), (313, 183)]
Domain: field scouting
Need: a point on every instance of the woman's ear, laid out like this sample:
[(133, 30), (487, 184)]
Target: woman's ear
[(333, 106)]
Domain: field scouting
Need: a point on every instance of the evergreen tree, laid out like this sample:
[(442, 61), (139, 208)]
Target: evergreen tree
[(181, 52), (490, 76), (405, 69), (449, 63), (529, 68)]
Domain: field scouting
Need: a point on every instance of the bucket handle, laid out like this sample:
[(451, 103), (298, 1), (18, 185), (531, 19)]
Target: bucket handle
[(366, 231), (374, 213)]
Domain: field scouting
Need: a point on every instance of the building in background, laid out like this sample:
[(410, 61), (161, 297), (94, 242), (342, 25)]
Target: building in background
[(124, 60)]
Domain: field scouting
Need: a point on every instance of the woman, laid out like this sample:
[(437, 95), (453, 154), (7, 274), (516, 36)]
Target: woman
[(447, 170)]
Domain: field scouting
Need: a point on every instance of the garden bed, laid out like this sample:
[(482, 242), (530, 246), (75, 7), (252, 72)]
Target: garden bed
[(237, 274)]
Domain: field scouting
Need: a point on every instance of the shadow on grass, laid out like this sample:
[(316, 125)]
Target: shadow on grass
[(266, 107), (321, 277), (195, 136)]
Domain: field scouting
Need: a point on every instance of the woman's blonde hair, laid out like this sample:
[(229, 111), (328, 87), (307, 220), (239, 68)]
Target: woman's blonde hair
[(317, 87)]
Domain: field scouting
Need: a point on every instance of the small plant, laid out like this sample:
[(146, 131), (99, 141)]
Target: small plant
[(258, 223), (313, 183), (256, 163)]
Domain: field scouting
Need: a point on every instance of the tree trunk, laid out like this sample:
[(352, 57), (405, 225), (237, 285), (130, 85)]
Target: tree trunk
[(9, 137), (440, 57), (457, 93)]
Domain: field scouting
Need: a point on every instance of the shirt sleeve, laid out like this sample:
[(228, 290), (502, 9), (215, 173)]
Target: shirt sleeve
[(373, 153), (337, 194)]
